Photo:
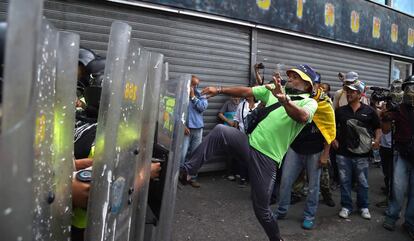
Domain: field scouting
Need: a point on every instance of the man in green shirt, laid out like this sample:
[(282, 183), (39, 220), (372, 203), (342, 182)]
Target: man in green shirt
[(265, 147)]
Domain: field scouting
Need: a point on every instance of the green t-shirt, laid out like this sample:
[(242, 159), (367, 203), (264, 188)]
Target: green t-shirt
[(273, 135)]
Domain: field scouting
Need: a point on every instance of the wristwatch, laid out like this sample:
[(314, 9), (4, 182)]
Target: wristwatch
[(84, 175)]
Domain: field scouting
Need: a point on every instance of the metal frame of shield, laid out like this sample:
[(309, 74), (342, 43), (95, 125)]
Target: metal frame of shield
[(170, 134), (100, 200), (151, 100)]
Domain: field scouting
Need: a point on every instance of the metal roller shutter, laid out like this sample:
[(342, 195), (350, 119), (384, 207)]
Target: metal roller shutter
[(218, 53), (327, 59)]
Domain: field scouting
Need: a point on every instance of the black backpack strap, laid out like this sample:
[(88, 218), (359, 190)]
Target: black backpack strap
[(276, 105), (242, 114)]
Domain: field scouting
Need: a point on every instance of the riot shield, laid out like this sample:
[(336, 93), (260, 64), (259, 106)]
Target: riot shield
[(101, 203), (43, 173), (151, 101), (122, 188), (64, 125), (24, 21), (170, 134)]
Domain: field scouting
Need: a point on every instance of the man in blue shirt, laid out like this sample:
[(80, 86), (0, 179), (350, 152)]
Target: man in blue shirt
[(194, 126)]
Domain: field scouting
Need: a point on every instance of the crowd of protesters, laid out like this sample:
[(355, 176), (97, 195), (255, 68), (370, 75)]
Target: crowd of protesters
[(304, 136)]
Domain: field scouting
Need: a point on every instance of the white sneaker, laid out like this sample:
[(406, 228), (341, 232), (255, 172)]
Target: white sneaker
[(365, 213), (344, 213)]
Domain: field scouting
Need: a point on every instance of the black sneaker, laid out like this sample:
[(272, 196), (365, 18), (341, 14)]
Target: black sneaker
[(242, 182), (389, 224), (382, 204), (295, 199), (329, 201), (280, 216), (182, 177), (410, 230)]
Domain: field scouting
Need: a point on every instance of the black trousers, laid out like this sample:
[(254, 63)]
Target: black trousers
[(387, 158), (230, 142)]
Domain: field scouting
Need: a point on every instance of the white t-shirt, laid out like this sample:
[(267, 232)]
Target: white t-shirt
[(242, 111)]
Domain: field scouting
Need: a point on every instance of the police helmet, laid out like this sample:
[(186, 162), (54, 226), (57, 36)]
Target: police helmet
[(92, 93), (86, 56), (408, 81), (408, 87)]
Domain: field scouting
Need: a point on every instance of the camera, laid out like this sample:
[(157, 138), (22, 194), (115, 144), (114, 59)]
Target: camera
[(380, 94), (260, 66), (384, 94)]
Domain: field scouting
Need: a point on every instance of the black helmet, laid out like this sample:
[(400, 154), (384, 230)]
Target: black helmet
[(408, 81), (86, 56), (92, 93)]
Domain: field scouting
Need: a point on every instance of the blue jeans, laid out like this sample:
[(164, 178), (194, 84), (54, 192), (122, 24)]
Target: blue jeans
[(293, 164), (403, 182), (190, 143), (347, 167)]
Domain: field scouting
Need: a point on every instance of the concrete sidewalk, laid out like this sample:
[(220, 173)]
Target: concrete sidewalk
[(222, 211)]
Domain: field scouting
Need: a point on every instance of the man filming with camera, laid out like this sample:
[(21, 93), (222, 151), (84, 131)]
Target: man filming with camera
[(403, 175), (264, 148)]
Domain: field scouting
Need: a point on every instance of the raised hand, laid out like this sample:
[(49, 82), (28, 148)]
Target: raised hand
[(210, 91)]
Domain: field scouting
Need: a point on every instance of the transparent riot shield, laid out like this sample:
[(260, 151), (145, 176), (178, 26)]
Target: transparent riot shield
[(43, 173), (128, 145), (151, 101), (18, 111), (101, 202), (170, 134), (64, 125), (24, 21)]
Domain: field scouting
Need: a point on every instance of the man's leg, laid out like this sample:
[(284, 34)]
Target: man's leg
[(409, 211), (399, 187), (386, 161), (345, 177), (184, 150), (314, 172), (292, 167), (196, 136), (361, 172), (221, 141), (325, 187), (262, 173)]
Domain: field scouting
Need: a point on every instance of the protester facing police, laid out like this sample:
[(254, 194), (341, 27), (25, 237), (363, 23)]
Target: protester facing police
[(309, 151), (403, 175), (265, 147)]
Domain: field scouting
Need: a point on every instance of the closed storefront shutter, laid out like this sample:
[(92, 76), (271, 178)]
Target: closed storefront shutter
[(216, 52), (327, 59)]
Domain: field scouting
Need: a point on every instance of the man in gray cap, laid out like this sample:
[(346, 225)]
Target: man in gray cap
[(357, 125), (340, 95)]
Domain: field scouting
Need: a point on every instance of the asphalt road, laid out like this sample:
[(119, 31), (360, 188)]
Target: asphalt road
[(222, 211)]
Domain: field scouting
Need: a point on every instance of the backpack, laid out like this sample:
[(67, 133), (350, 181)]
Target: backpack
[(358, 138)]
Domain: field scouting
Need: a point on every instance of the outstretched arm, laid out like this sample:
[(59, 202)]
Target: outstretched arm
[(239, 91)]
